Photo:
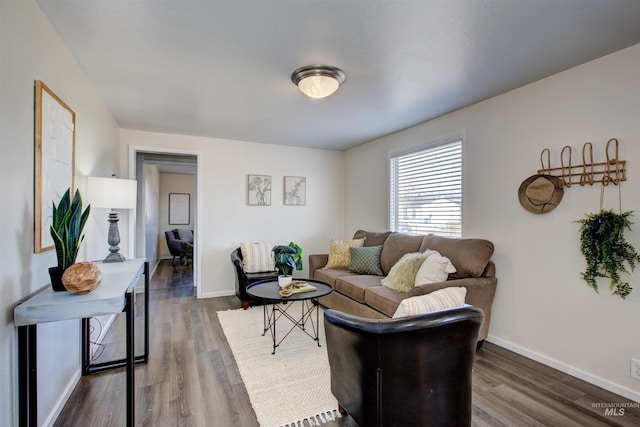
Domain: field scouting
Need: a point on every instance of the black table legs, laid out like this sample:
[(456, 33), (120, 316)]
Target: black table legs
[(306, 318), (27, 376), (131, 357)]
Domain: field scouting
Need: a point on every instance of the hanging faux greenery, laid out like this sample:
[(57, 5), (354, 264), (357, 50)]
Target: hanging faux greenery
[(606, 251)]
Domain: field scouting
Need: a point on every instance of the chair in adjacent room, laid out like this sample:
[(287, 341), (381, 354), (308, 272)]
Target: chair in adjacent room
[(414, 370), (180, 244)]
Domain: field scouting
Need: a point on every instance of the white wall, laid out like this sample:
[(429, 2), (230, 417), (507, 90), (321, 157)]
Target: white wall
[(174, 183), (542, 308), (151, 196), (31, 50), (224, 219)]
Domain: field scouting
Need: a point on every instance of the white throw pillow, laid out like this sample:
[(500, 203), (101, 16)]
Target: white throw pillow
[(434, 269), (257, 257), (442, 299)]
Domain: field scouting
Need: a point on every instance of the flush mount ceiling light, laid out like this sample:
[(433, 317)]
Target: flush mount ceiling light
[(318, 81)]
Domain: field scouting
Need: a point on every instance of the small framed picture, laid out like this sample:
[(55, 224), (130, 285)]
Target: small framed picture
[(295, 190), (179, 208), (259, 190)]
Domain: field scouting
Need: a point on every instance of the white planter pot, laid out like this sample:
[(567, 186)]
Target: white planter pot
[(284, 280)]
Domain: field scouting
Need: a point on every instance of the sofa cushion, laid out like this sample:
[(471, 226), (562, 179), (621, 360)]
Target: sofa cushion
[(396, 245), (383, 299), (329, 275), (435, 301), (256, 257), (355, 286), (339, 252), (372, 238), (436, 268), (365, 260), (402, 276), (469, 256)]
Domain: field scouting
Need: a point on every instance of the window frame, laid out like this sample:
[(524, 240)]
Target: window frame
[(431, 144)]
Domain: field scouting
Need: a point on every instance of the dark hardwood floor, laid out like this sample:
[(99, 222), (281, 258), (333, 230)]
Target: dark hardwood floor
[(192, 379)]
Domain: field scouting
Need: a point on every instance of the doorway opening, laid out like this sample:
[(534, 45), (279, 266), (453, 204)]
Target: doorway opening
[(167, 205)]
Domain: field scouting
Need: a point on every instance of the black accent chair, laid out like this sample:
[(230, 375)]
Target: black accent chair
[(244, 279), (177, 247), (412, 371)]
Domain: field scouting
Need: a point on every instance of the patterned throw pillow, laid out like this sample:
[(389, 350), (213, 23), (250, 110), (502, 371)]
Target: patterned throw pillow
[(402, 275), (339, 256), (257, 257), (442, 299), (365, 260)]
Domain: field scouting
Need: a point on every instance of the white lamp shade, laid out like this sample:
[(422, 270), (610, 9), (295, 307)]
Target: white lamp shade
[(318, 86), (112, 193)]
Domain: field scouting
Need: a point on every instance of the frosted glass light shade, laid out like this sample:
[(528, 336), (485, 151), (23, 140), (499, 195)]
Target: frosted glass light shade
[(318, 86), (318, 81), (112, 193)]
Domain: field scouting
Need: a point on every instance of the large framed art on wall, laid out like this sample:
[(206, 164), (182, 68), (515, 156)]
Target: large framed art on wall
[(55, 140)]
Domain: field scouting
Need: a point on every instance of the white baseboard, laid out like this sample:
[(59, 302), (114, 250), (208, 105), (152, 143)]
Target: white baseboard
[(217, 294), (153, 269), (66, 394), (567, 369), (105, 324)]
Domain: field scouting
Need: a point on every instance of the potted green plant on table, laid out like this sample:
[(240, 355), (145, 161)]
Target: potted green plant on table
[(606, 251), (287, 258), (68, 221)]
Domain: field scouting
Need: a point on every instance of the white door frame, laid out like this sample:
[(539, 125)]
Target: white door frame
[(197, 259)]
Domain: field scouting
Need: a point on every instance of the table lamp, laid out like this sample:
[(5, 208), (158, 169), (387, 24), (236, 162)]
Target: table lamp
[(113, 193)]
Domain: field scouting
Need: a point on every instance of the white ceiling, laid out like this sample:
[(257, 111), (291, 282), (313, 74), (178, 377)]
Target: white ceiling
[(221, 68)]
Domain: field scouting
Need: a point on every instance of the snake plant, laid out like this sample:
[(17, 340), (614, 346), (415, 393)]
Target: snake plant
[(68, 221)]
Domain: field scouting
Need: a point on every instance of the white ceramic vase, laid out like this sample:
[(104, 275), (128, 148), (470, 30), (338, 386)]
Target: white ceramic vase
[(284, 280)]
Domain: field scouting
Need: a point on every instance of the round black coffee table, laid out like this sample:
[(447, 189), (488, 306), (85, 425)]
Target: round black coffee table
[(267, 291)]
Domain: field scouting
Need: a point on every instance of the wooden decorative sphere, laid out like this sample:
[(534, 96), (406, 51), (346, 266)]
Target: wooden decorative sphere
[(81, 277)]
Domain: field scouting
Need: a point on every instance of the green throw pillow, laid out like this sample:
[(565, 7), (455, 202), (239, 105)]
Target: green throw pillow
[(365, 260), (402, 276)]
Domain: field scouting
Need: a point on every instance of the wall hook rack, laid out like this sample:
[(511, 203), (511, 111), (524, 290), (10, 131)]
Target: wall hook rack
[(612, 171)]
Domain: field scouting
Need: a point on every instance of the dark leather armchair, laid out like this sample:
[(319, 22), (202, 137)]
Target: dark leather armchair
[(412, 371), (243, 279)]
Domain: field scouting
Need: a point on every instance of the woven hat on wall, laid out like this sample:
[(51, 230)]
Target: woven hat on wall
[(540, 193)]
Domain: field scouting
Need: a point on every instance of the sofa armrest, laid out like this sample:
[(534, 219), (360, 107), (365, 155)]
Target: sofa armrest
[(315, 262), (480, 293)]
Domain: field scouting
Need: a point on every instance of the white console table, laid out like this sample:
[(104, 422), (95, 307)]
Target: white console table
[(115, 294)]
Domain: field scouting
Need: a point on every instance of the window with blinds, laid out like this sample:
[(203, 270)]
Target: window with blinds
[(426, 191)]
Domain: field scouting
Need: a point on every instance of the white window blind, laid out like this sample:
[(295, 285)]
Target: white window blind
[(426, 191)]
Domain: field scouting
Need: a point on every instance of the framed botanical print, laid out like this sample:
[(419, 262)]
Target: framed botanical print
[(295, 190), (259, 190)]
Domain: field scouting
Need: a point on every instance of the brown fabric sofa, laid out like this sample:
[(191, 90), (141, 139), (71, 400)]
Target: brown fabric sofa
[(364, 295)]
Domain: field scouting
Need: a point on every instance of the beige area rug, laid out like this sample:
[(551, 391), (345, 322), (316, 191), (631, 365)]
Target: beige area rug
[(288, 388)]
